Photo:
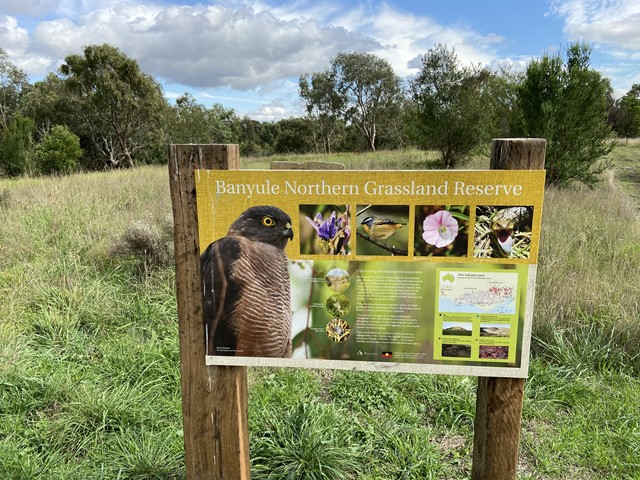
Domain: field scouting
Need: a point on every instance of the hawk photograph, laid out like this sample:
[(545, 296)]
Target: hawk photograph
[(246, 286)]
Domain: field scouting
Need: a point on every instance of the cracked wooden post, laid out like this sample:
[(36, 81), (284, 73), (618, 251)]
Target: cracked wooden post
[(214, 398), (499, 403)]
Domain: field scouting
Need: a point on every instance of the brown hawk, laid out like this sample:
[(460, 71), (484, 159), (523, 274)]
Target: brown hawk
[(246, 287)]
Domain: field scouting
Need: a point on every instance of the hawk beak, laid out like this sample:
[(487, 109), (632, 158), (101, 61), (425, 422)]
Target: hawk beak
[(288, 231)]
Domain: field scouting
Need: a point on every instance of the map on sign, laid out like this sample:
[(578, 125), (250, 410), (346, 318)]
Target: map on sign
[(478, 292)]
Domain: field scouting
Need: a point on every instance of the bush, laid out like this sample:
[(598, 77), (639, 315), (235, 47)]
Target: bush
[(15, 146), (566, 103), (59, 151)]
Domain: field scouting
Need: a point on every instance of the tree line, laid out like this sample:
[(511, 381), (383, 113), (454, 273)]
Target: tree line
[(100, 110)]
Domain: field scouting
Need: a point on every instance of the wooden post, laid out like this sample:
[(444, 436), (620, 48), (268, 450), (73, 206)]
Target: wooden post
[(214, 398), (499, 402)]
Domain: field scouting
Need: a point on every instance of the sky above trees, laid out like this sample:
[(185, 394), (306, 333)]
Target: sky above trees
[(248, 55)]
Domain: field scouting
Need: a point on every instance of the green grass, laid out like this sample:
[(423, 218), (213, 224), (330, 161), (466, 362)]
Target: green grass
[(89, 360)]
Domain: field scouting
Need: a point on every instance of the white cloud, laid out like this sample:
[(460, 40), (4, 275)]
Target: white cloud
[(28, 7), (405, 37), (612, 22), (270, 113), (233, 45), (12, 37), (202, 46)]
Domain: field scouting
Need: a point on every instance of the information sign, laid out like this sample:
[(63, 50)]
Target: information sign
[(411, 271)]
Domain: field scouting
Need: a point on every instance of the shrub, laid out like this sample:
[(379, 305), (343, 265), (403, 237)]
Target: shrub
[(59, 151)]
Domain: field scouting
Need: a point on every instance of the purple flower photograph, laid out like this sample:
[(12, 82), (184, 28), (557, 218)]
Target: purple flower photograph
[(325, 230)]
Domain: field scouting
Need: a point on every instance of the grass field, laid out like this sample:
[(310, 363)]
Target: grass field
[(89, 374)]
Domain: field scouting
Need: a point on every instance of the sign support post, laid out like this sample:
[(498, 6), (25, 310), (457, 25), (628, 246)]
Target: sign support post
[(214, 398), (499, 402)]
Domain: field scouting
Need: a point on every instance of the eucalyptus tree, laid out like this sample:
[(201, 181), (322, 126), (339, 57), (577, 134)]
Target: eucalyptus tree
[(360, 88), (13, 85), (323, 105), (192, 122), (122, 107)]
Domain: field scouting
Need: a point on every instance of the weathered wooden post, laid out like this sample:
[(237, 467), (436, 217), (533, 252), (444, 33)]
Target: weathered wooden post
[(499, 401), (214, 398)]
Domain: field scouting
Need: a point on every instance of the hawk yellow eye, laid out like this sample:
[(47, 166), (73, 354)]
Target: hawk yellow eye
[(268, 221)]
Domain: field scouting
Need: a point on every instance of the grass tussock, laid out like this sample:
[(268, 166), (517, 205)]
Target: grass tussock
[(588, 288), (89, 360), (151, 245)]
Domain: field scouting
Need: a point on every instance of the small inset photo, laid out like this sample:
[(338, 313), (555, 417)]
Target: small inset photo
[(441, 230), (382, 230), (338, 330), (338, 305), (456, 350), (325, 230), (457, 328), (494, 352), (338, 280), (495, 330), (502, 232)]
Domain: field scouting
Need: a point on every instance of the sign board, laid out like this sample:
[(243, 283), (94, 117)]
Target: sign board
[(409, 271)]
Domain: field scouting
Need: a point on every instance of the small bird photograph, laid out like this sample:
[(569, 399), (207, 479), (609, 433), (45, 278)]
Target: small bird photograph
[(441, 231), (382, 230), (503, 231), (246, 286)]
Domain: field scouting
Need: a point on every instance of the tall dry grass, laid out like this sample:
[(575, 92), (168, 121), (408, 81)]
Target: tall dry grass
[(588, 277)]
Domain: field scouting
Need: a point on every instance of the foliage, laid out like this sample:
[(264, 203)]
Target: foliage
[(256, 138), (121, 106), (628, 125), (15, 146), (295, 136), (370, 91), (323, 105), (452, 110), (359, 88), (190, 122), (565, 102), (13, 85), (58, 152)]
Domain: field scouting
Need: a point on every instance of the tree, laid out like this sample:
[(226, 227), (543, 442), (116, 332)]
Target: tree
[(13, 84), (359, 88), (59, 151), (370, 91), (122, 107), (628, 124), (565, 102), (323, 105), (453, 112), (295, 136), (15, 145), (191, 122)]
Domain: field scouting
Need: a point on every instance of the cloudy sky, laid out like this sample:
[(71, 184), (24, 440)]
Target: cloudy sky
[(249, 55)]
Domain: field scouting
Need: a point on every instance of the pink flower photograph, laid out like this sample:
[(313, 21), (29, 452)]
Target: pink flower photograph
[(441, 230)]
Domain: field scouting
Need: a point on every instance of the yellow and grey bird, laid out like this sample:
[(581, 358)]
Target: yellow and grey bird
[(380, 228), (246, 287)]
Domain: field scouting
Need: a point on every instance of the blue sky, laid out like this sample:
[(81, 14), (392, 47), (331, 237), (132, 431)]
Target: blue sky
[(249, 55)]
